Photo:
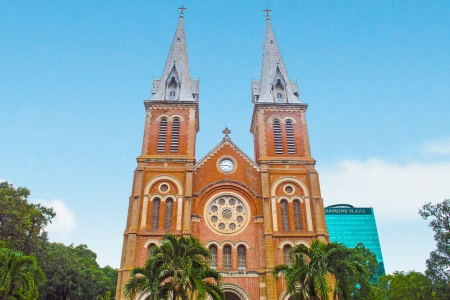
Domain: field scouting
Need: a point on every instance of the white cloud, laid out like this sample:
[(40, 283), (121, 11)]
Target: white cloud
[(440, 146), (396, 192), (64, 222)]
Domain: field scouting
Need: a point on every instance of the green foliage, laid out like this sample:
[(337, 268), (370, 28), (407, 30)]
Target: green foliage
[(21, 223), (404, 286), (20, 275), (438, 265), (73, 273), (306, 277), (176, 269)]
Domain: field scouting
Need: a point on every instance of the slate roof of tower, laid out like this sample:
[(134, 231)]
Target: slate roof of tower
[(272, 61), (178, 58)]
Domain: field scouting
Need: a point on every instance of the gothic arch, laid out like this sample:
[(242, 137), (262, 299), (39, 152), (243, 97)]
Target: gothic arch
[(159, 117), (163, 177), (288, 178), (242, 243), (235, 289), (151, 241), (176, 116)]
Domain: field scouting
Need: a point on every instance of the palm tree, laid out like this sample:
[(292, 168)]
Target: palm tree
[(20, 275), (176, 269), (306, 276)]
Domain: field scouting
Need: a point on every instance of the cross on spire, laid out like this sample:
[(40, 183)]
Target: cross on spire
[(182, 8), (267, 10), (226, 131)]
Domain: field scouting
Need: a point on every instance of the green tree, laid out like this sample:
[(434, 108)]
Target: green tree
[(308, 276), (20, 275), (405, 286), (438, 265), (22, 224), (73, 273), (176, 269)]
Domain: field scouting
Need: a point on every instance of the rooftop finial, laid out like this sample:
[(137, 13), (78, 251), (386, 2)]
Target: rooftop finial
[(267, 10), (226, 131), (182, 8)]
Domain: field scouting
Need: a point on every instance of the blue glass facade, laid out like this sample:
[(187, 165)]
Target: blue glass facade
[(352, 225)]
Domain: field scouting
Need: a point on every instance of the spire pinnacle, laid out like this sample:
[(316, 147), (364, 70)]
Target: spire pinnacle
[(267, 10), (275, 85), (175, 83)]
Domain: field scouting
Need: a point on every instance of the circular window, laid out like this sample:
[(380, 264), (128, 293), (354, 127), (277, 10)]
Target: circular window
[(227, 214), (289, 189), (163, 187)]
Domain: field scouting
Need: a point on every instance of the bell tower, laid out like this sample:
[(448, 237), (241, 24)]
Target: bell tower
[(162, 184), (292, 203)]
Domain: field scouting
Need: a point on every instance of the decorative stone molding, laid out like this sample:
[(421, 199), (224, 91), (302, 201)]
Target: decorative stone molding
[(163, 177), (227, 181)]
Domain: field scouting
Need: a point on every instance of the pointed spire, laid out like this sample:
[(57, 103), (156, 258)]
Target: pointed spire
[(175, 83), (275, 85)]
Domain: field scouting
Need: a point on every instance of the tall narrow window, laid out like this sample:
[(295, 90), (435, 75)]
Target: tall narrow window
[(277, 137), (297, 215), (162, 135), (227, 257), (213, 259), (242, 257), (175, 135), (284, 215), (168, 214), (155, 213), (290, 137), (287, 255)]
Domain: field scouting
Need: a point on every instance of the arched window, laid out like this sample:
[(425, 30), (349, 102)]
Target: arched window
[(155, 213), (175, 135), (162, 135), (284, 215), (279, 95), (227, 257), (277, 137), (242, 257), (287, 255), (168, 214), (297, 215), (290, 137), (150, 249), (213, 259)]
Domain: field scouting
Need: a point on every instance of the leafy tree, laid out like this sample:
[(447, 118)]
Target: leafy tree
[(176, 269), (73, 273), (306, 277), (438, 265), (405, 286), (20, 275), (21, 223)]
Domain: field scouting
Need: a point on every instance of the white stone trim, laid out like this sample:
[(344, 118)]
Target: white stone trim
[(243, 243), (151, 241), (164, 177), (308, 214), (274, 214), (288, 178), (144, 212)]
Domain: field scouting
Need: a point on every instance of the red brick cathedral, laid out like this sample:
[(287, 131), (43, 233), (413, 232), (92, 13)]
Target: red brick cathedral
[(247, 212)]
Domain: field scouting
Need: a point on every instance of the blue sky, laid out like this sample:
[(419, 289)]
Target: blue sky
[(376, 76)]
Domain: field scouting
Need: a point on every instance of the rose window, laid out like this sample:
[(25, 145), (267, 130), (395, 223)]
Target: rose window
[(227, 214)]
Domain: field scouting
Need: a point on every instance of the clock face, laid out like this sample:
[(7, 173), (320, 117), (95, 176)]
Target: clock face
[(226, 165)]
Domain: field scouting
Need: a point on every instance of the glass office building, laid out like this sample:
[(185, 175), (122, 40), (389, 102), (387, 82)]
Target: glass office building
[(351, 225)]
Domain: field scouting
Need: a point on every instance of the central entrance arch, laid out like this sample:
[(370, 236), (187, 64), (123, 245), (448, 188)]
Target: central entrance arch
[(232, 296)]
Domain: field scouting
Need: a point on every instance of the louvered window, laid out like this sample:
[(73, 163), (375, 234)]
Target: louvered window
[(213, 258), (242, 257), (155, 213), (168, 214), (284, 215), (227, 257), (297, 215), (162, 135), (175, 135), (287, 255), (290, 137), (277, 137)]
